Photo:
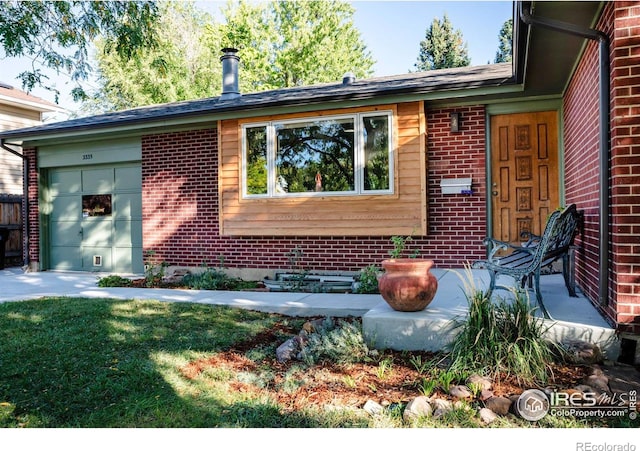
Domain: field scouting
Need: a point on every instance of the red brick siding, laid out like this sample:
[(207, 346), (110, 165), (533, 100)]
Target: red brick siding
[(621, 21), (181, 207), (625, 163), (33, 233)]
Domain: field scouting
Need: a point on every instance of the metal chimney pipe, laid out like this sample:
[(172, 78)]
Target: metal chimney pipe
[(230, 60)]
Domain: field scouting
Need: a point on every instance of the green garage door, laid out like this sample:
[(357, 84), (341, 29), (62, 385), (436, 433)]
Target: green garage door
[(95, 221)]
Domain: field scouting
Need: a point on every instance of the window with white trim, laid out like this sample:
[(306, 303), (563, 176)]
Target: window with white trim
[(336, 155)]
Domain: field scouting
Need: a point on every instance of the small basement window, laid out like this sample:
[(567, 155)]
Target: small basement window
[(337, 155)]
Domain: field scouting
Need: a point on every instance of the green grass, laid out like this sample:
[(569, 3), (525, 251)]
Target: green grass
[(103, 363), (96, 363)]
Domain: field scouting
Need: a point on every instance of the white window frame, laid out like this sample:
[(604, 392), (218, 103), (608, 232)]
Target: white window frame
[(358, 163)]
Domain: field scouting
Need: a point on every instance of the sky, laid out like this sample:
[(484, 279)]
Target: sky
[(391, 30)]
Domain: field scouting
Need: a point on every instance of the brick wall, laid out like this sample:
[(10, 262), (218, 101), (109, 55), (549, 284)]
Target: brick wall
[(621, 21), (33, 233), (180, 206), (625, 163)]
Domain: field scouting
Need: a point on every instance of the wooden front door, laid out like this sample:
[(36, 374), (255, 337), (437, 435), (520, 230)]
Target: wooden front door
[(524, 183)]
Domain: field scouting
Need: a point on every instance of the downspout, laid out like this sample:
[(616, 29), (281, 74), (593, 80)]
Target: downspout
[(605, 105), (25, 199)]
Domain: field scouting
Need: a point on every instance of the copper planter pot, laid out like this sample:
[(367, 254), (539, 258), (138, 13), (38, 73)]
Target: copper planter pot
[(407, 284)]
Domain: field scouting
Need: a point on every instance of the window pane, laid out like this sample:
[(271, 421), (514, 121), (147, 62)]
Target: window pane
[(96, 205), (256, 160), (376, 153), (315, 156)]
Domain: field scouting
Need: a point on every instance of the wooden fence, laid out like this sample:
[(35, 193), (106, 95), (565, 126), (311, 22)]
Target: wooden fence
[(11, 218)]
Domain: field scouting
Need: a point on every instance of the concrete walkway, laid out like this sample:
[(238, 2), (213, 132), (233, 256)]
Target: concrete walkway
[(574, 318)]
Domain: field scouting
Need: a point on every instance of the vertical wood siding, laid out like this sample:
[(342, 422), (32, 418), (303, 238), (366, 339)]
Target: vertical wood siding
[(402, 212)]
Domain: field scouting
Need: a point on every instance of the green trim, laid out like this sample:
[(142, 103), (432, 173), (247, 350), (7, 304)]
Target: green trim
[(44, 208), (530, 105), (90, 153)]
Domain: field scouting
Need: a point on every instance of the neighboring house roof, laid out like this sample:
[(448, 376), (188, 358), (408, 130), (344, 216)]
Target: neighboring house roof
[(422, 84), (13, 96)]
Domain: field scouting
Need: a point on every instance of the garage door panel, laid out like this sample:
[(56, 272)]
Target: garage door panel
[(65, 233), (128, 259), (128, 205), (128, 233), (97, 181), (96, 258), (66, 208), (66, 257), (97, 232), (64, 182), (128, 178)]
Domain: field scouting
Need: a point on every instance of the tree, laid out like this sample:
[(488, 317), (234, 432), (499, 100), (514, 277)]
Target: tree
[(281, 44), (179, 67), (59, 34), (442, 47), (505, 48)]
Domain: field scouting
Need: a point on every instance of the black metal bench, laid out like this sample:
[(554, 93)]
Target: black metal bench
[(525, 262)]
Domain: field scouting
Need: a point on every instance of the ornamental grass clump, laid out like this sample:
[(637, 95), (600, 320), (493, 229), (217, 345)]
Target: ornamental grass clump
[(501, 337)]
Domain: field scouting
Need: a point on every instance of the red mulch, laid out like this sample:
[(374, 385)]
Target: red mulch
[(348, 385)]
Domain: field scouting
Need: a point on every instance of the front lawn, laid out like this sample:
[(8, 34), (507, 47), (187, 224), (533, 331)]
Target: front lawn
[(87, 363)]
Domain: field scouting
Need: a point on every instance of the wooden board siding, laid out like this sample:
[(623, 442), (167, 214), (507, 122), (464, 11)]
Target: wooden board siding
[(403, 212), (11, 118)]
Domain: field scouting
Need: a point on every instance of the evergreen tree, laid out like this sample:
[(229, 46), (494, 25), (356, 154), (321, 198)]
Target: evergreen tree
[(442, 47), (505, 49)]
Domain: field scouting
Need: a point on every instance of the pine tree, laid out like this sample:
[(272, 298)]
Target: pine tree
[(505, 49), (442, 47)]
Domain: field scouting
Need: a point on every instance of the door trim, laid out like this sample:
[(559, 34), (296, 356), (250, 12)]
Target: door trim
[(554, 104)]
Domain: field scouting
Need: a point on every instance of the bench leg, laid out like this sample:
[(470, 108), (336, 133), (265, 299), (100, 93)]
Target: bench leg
[(536, 289), (492, 284), (569, 271)]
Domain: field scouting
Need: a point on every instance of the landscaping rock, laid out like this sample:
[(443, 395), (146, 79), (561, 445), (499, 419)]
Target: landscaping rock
[(623, 378), (498, 404), (514, 401), (460, 392), (313, 325), (440, 406), (582, 352), (174, 275), (600, 384), (487, 416), (288, 350), (485, 394), (417, 407), (373, 408), (481, 381)]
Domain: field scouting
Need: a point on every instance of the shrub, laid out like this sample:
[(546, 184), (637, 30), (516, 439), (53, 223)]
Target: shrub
[(368, 280), (341, 342), (501, 337), (213, 279), (114, 281)]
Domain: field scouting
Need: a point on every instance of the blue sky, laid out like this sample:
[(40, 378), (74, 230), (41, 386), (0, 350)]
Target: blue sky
[(392, 31)]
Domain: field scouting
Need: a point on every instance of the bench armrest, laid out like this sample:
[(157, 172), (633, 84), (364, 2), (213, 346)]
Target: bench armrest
[(496, 245)]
